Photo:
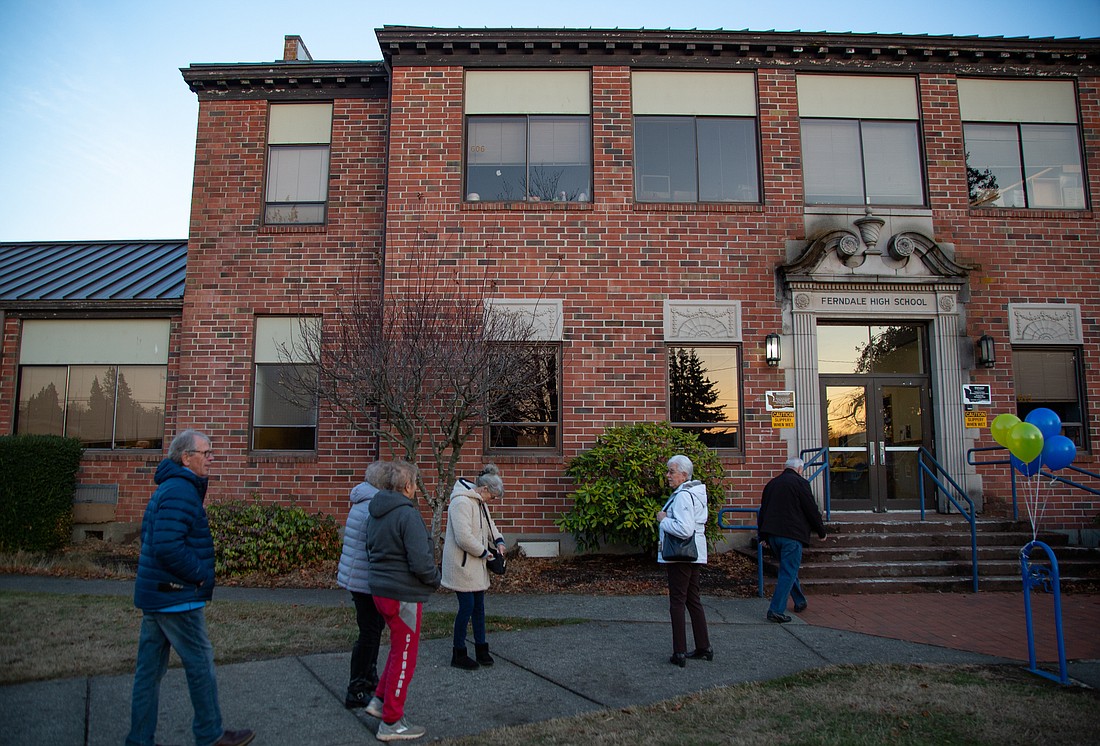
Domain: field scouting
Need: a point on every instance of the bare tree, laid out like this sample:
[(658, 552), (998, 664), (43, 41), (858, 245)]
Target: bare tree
[(425, 363)]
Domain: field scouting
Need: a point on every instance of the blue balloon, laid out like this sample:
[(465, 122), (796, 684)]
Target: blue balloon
[(1027, 469), (1047, 420), (1058, 452)]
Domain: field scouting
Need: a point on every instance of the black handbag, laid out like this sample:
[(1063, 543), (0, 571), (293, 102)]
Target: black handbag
[(496, 562), (677, 549)]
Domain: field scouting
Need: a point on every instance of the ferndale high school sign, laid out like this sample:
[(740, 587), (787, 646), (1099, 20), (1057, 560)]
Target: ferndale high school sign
[(898, 302)]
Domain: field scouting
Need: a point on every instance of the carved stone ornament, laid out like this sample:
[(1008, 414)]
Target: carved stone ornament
[(702, 321), (544, 316), (848, 246), (870, 228), (802, 300), (901, 247), (947, 302), (1044, 323)]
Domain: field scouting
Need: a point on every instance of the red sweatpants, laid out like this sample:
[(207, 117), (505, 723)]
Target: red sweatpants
[(403, 619)]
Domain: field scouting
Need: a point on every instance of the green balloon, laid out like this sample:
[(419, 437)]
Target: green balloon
[(1002, 426), (1025, 442)]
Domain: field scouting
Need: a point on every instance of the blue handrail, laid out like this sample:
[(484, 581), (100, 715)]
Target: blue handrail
[(1042, 472), (922, 455), (1046, 579), (811, 456), (746, 527)]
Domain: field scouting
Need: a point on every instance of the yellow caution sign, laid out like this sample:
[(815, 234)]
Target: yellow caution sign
[(782, 419), (974, 418)]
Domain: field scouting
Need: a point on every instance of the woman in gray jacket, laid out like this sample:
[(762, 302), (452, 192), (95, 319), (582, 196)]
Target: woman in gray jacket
[(352, 575), (470, 535), (403, 575)]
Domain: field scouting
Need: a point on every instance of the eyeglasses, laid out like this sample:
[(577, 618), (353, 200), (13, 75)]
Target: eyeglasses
[(208, 453)]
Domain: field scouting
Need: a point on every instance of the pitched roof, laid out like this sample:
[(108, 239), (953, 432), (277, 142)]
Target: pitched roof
[(92, 271)]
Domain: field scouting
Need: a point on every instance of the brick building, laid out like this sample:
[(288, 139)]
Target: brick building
[(826, 225)]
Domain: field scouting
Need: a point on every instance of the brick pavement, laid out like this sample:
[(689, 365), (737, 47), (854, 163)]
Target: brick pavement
[(985, 622)]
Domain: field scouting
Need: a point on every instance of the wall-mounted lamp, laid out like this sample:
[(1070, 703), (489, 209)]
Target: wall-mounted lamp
[(987, 351), (772, 349)]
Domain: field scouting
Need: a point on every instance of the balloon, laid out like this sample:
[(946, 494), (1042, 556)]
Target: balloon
[(1028, 469), (1047, 420), (1002, 426), (1058, 452), (1025, 442)]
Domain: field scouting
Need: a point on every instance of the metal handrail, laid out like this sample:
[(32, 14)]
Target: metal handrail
[(1045, 473), (1047, 579), (814, 454), (745, 527), (922, 454)]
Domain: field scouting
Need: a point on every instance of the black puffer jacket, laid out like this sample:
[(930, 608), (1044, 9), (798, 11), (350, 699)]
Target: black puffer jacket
[(788, 509)]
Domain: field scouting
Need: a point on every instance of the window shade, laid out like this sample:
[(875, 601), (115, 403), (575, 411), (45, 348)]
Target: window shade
[(527, 92), (94, 341), (1017, 101), (276, 333), (705, 94), (857, 97), (300, 124)]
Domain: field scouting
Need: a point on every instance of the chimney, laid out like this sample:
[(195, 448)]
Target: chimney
[(294, 49)]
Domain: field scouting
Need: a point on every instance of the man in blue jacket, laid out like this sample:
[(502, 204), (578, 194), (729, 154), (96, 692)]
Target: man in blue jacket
[(175, 579), (788, 512)]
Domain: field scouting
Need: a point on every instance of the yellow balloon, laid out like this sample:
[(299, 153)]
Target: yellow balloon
[(1002, 426), (1025, 442)]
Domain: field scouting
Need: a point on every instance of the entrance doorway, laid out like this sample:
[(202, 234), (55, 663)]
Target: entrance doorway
[(877, 415)]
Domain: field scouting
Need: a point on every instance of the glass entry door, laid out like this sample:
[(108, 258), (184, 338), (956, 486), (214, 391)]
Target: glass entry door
[(875, 428)]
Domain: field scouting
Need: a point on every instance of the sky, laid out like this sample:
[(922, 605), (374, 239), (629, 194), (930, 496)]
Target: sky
[(97, 137)]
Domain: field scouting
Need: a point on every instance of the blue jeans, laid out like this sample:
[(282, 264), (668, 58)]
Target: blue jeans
[(789, 552), (471, 605), (185, 632)]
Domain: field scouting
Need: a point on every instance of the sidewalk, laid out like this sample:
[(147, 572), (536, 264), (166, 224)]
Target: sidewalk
[(617, 658)]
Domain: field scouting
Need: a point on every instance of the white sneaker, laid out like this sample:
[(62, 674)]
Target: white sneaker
[(374, 708), (402, 730)]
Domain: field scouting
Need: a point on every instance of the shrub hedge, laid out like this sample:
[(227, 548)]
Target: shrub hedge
[(621, 485), (37, 481), (271, 539)]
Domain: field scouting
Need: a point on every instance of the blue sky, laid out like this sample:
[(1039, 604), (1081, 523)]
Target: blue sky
[(97, 137)]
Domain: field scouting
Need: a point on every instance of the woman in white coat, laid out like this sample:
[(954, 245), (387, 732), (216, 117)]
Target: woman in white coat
[(685, 515), (470, 535)]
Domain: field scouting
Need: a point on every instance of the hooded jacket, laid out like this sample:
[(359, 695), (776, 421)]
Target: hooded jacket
[(687, 516), (352, 571), (402, 564), (176, 564), (470, 530)]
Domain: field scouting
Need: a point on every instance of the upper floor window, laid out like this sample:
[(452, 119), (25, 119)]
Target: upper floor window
[(528, 136), (284, 408), (1023, 146), (298, 140), (102, 381), (695, 137), (860, 140)]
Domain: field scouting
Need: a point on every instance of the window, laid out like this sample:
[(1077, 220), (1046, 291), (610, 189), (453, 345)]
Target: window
[(284, 407), (704, 393), (298, 142), (1051, 377), (102, 381), (695, 137), (860, 140), (1023, 147), (529, 415), (528, 136)]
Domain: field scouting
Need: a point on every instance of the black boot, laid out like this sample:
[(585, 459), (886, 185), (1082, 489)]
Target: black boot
[(481, 651), (460, 659)]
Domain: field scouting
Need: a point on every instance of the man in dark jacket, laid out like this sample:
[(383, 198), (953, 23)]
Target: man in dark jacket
[(403, 575), (787, 513), (175, 579)]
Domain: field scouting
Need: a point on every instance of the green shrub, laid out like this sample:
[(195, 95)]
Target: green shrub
[(621, 485), (37, 481), (271, 539)]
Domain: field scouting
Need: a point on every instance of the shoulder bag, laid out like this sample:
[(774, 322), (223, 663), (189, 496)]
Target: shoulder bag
[(677, 549)]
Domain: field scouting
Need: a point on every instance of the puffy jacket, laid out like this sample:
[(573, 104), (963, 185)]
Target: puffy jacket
[(352, 571), (402, 563), (687, 516), (469, 531), (176, 565)]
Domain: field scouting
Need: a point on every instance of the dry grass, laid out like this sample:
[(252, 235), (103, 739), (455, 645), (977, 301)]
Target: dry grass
[(45, 636), (842, 706)]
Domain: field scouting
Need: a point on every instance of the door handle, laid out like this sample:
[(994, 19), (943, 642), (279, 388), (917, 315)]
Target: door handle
[(871, 453), (882, 452)]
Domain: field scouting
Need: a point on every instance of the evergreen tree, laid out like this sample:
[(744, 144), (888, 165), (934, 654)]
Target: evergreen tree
[(692, 394)]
